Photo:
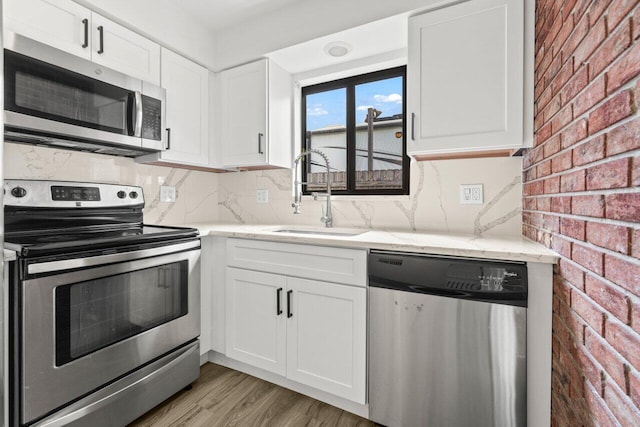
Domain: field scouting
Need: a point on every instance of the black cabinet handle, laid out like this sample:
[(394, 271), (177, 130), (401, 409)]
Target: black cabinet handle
[(85, 22), (413, 126), (260, 135), (101, 31), (168, 138), (278, 308), (289, 313)]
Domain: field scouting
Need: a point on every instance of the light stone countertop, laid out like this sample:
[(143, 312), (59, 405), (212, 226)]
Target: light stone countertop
[(500, 248)]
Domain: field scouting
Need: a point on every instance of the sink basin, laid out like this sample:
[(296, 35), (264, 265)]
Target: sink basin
[(321, 232)]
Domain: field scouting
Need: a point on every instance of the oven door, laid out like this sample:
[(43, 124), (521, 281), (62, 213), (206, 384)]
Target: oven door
[(84, 328)]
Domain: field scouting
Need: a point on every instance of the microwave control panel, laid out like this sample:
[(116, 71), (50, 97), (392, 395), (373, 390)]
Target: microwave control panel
[(151, 118)]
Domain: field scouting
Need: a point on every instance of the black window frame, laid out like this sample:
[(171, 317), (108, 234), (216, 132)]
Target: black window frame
[(350, 83)]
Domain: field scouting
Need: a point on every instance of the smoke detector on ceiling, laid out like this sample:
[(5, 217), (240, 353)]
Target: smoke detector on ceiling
[(337, 49)]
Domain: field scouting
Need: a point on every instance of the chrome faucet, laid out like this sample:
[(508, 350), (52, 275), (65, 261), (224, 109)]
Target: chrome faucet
[(327, 217)]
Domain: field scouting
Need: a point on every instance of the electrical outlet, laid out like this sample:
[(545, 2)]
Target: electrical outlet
[(471, 194), (167, 193), (262, 196)]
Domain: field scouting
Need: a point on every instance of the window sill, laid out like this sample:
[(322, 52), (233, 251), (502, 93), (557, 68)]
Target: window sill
[(364, 198)]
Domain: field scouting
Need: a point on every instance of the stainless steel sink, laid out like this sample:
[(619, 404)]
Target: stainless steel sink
[(321, 232)]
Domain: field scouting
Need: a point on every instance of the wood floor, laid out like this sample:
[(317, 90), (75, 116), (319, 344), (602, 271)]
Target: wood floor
[(224, 397)]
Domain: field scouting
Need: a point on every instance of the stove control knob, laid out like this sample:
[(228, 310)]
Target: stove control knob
[(18, 192), (133, 194), (121, 194)]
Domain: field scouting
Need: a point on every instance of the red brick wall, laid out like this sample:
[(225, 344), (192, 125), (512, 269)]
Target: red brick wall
[(582, 199)]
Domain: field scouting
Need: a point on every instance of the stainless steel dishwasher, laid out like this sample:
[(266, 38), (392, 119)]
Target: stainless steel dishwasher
[(447, 341)]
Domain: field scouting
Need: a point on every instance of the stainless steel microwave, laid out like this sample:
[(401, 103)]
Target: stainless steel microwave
[(57, 99)]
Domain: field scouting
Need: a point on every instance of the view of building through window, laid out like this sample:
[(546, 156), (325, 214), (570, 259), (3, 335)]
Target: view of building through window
[(359, 123)]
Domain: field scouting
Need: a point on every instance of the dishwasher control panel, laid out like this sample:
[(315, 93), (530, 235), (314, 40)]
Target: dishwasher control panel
[(501, 282)]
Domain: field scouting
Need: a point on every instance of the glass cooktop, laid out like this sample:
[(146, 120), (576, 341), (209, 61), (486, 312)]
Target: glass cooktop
[(61, 241)]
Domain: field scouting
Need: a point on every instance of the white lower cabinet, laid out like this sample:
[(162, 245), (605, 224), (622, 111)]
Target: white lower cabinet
[(326, 337), (255, 331), (308, 330)]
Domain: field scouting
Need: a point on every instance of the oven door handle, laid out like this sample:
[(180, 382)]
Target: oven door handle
[(70, 264)]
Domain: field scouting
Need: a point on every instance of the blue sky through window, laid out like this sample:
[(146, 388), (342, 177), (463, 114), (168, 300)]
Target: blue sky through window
[(329, 108)]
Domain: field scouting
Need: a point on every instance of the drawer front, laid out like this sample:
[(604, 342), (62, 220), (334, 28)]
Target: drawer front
[(338, 265)]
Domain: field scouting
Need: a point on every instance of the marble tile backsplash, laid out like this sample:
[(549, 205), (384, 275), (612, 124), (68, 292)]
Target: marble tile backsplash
[(196, 192), (231, 197), (434, 204)]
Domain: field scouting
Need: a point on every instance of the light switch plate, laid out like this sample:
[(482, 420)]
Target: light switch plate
[(262, 196), (167, 193), (471, 194)]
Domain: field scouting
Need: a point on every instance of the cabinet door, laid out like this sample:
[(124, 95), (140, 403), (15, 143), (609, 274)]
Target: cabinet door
[(187, 86), (243, 97), (326, 337), (121, 49), (465, 78), (58, 23), (255, 329)]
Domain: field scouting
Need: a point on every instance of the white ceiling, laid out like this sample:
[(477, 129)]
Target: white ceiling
[(389, 34), (295, 32), (385, 35), (219, 14)]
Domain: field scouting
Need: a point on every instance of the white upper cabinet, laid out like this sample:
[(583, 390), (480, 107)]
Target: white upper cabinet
[(62, 24), (255, 116), (116, 47), (465, 79), (72, 28), (187, 90)]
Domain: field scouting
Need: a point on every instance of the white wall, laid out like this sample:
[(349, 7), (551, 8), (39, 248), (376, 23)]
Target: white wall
[(301, 21)]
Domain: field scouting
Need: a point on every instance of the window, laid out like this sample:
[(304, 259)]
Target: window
[(359, 123)]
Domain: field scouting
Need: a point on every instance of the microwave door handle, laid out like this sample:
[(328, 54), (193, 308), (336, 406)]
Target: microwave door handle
[(131, 114), (138, 115)]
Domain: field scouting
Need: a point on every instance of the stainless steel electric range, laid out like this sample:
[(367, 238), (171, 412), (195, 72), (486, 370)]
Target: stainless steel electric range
[(104, 310)]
